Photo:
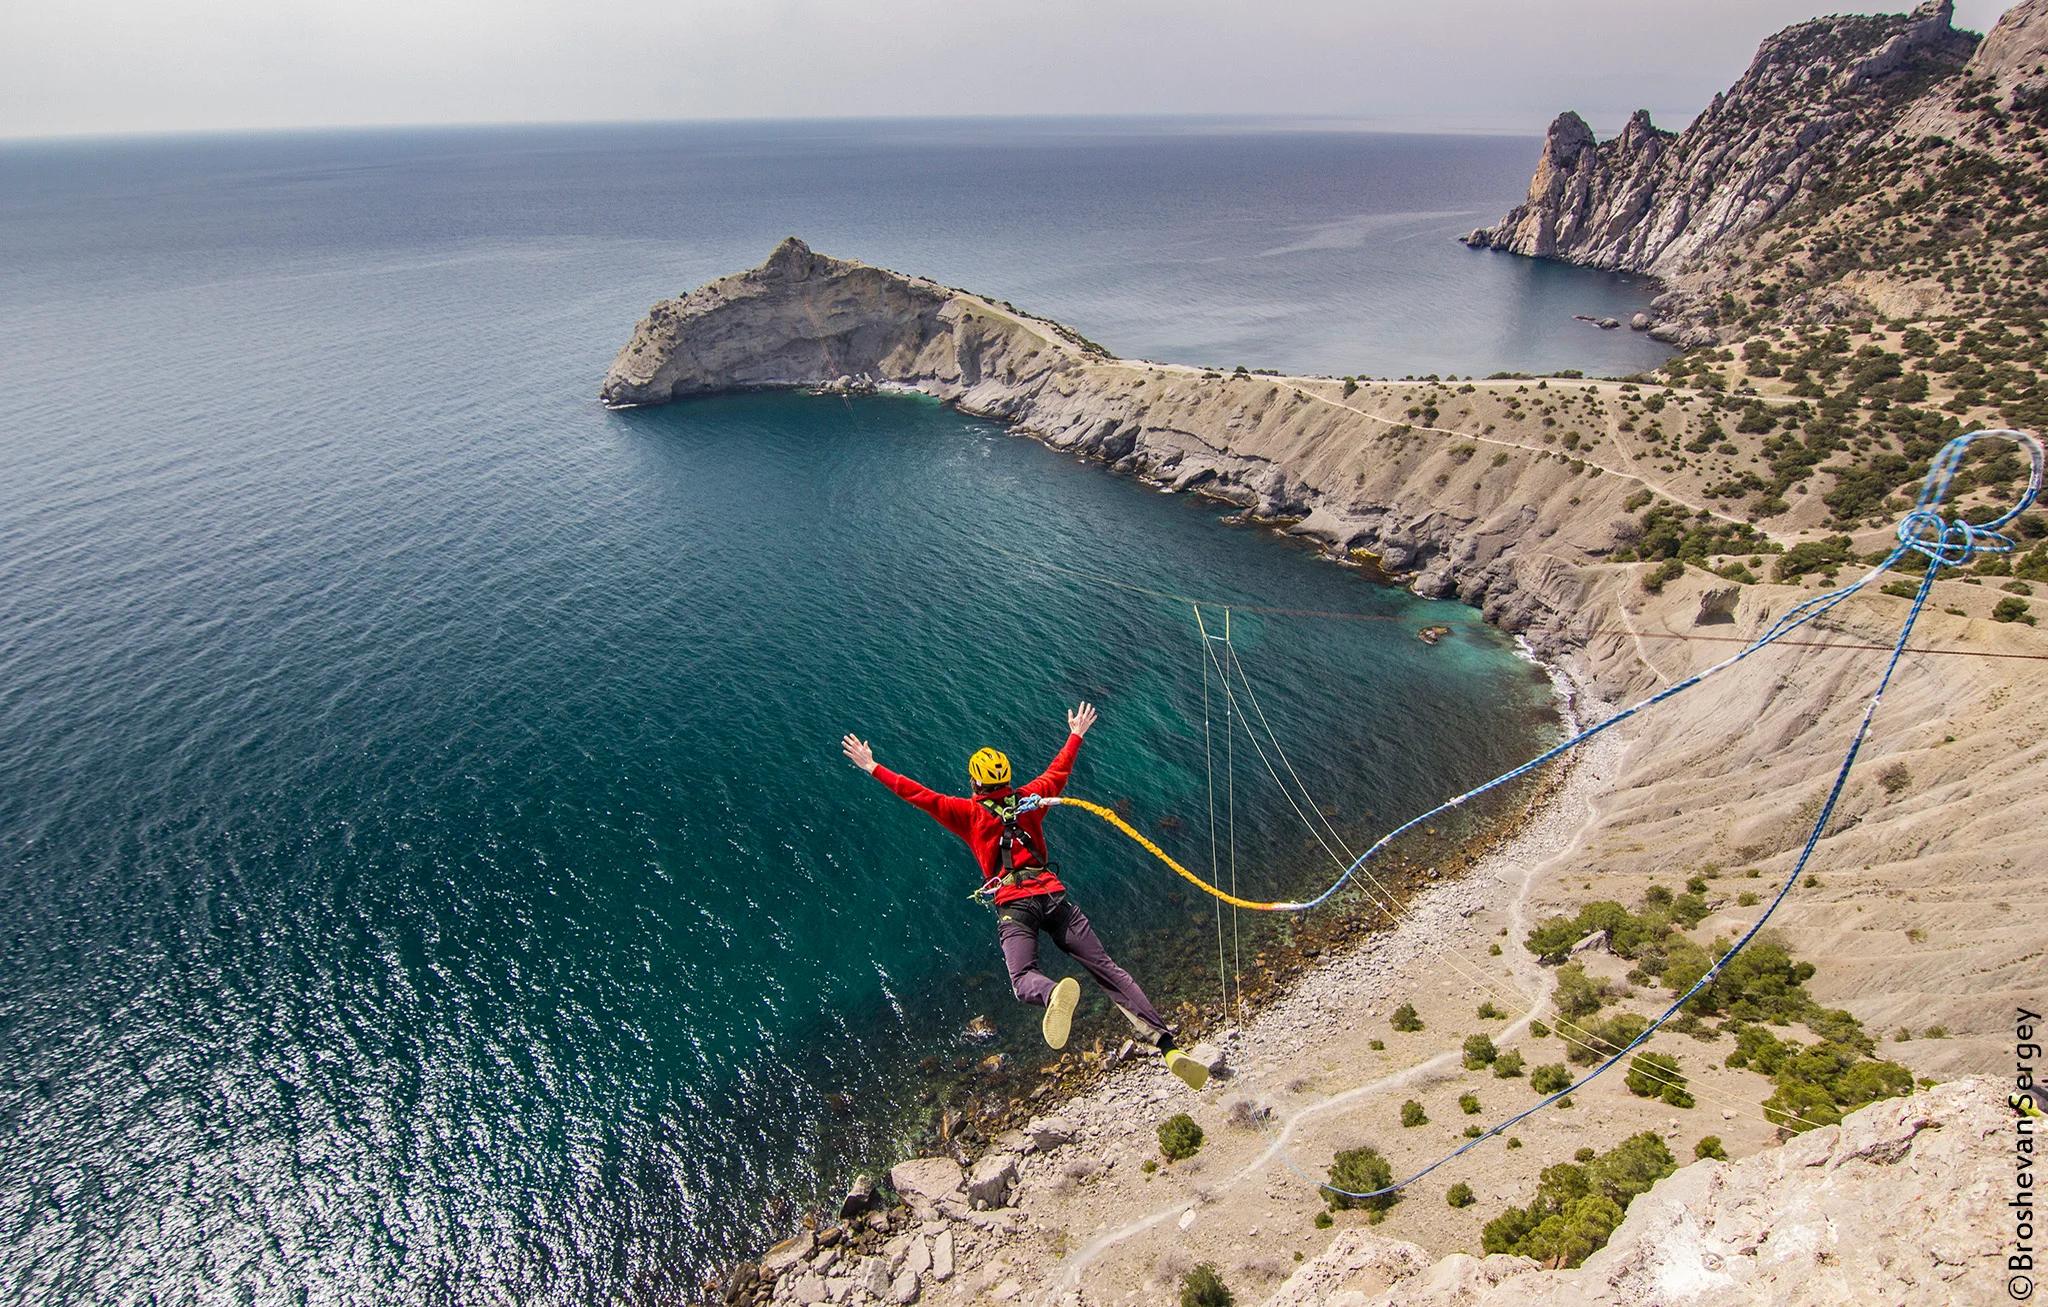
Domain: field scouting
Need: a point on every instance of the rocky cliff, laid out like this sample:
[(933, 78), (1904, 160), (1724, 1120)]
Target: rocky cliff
[(1903, 1203), (1816, 99)]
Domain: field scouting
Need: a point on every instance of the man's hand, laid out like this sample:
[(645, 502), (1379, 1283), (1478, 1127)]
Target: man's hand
[(1078, 721), (858, 753)]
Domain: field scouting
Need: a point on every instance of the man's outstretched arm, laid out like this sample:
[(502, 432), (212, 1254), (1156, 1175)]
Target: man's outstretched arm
[(950, 812), (1054, 778)]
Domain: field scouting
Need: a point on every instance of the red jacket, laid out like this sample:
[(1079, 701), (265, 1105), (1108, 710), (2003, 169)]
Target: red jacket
[(982, 830)]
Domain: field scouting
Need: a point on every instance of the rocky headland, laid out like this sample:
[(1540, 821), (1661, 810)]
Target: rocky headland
[(1860, 215)]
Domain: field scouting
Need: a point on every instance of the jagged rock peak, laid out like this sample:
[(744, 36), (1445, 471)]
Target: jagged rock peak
[(790, 261), (1648, 201), (1568, 135)]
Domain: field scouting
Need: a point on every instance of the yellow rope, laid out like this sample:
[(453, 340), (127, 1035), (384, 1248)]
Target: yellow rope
[(1161, 854)]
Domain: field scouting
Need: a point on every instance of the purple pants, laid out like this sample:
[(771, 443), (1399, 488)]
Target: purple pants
[(1017, 926)]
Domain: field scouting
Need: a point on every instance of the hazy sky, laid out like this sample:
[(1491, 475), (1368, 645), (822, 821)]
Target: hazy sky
[(82, 66)]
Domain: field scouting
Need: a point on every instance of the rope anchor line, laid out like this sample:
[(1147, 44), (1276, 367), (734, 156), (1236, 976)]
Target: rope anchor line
[(1944, 542)]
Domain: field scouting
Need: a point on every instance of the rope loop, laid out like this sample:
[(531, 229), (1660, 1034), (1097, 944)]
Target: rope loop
[(1956, 543)]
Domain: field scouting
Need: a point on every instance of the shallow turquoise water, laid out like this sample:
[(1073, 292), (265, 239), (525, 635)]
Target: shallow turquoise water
[(429, 869)]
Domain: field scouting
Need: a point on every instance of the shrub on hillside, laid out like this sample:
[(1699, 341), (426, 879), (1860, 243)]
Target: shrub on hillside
[(1179, 1137), (1550, 1078), (1578, 1204), (1203, 1287), (1358, 1171)]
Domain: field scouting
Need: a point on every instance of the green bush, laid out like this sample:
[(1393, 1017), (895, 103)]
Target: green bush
[(1656, 1075), (1599, 1040), (1550, 1078), (1323, 1221), (1487, 1011), (1412, 1114), (1202, 1287), (1667, 571), (1820, 1084), (1710, 1146), (1479, 1052), (1508, 1064), (1469, 1104), (1360, 1171), (2011, 610), (1577, 994), (1179, 1137), (1460, 1195), (1539, 1030), (1813, 556), (1405, 1019), (1577, 1205)]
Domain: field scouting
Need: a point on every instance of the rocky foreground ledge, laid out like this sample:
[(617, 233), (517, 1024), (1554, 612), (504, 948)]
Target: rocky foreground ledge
[(1903, 1203)]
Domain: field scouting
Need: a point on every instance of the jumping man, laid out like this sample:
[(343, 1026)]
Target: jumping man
[(1010, 846)]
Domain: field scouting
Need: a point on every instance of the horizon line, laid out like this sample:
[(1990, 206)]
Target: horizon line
[(1363, 125)]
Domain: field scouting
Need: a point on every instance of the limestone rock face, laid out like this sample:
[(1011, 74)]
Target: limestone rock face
[(2016, 48), (1653, 202), (1270, 446), (1903, 1203)]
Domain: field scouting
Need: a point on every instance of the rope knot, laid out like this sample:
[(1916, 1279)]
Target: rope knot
[(1949, 544)]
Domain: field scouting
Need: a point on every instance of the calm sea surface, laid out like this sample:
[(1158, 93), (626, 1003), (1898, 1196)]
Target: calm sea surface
[(427, 873)]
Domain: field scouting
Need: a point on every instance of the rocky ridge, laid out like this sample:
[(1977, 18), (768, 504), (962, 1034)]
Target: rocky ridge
[(1864, 165), (1672, 204), (1277, 450)]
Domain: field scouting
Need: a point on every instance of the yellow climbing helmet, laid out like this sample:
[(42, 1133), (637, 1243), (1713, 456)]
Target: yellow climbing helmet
[(988, 767)]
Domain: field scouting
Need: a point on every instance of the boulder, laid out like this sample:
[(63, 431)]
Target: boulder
[(1640, 322), (1209, 1056), (1593, 943), (860, 1195), (903, 1289), (809, 1288), (942, 1257), (991, 1181), (1048, 1133), (871, 1274), (929, 1178), (790, 1251)]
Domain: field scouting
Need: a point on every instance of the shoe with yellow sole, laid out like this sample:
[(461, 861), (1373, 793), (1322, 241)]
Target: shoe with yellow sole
[(1059, 1012), (1192, 1073)]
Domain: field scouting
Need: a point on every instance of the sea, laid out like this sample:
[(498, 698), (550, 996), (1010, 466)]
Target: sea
[(428, 872)]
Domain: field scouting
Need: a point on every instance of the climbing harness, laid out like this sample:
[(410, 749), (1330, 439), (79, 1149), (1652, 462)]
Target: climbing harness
[(1942, 539), (1007, 810)]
